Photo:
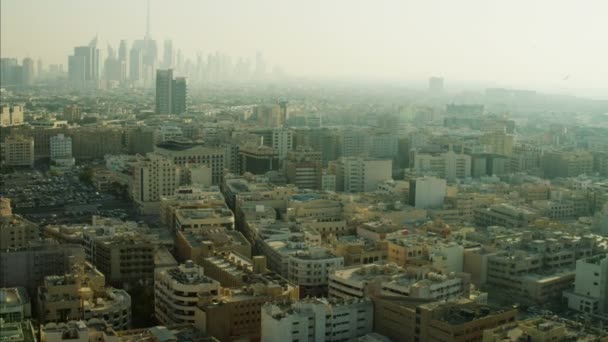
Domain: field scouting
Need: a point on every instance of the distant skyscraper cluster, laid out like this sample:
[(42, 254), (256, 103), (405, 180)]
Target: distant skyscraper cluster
[(13, 74), (83, 65)]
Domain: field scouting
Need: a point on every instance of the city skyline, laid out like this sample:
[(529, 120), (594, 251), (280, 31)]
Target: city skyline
[(514, 45)]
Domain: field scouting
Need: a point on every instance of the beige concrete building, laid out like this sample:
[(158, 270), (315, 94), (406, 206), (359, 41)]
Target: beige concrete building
[(96, 142), (11, 115), (407, 319), (543, 329), (196, 245), (178, 290), (357, 174), (236, 314), (392, 280), (498, 143), (567, 164), (448, 165), (18, 151), (93, 330), (188, 154), (83, 294), (191, 197), (357, 251), (15, 231), (153, 177), (505, 215), (124, 258), (304, 168), (200, 219)]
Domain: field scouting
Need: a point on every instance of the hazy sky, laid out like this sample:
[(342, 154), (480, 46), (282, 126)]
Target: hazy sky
[(547, 44)]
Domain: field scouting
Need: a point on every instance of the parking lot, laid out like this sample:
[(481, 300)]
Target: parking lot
[(51, 198)]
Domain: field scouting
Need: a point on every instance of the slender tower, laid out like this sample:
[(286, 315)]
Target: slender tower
[(147, 37)]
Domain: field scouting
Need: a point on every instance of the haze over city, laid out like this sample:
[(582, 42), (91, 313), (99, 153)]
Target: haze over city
[(290, 171), (554, 46)]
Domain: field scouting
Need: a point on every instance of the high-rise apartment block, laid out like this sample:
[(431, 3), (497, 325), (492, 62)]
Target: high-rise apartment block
[(358, 174), (427, 192), (11, 115), (72, 113), (566, 164), (590, 293), (18, 150), (61, 150), (448, 165), (170, 93)]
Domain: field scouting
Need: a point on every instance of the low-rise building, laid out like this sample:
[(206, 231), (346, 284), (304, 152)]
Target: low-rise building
[(15, 231), (310, 269), (83, 294), (541, 329), (317, 320), (505, 215), (178, 290), (236, 313), (409, 319), (392, 280), (15, 304)]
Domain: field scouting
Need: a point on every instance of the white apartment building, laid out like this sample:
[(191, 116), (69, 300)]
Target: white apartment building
[(178, 290), (282, 141), (356, 174), (317, 320), (448, 165), (310, 268), (61, 150), (590, 293), (427, 192)]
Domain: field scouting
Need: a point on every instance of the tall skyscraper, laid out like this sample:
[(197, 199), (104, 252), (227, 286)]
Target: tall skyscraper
[(77, 68), (9, 71), (83, 65), (179, 95), (28, 72), (39, 68), (168, 54), (94, 59), (170, 93), (164, 91), (122, 51), (135, 65)]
